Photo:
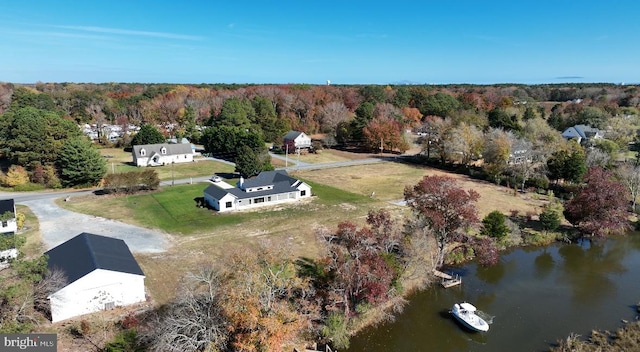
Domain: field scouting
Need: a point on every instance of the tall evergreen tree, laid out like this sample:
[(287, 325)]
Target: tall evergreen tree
[(29, 136), (81, 164)]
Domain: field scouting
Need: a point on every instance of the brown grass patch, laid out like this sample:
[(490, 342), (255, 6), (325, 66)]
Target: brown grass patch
[(386, 182)]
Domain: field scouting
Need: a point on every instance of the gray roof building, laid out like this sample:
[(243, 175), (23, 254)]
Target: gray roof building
[(87, 252)]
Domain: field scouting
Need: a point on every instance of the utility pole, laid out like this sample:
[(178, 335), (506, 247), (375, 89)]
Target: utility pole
[(286, 155), (172, 178)]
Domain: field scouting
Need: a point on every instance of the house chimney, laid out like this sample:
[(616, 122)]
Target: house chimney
[(241, 182)]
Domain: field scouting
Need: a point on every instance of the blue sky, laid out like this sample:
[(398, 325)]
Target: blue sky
[(305, 41)]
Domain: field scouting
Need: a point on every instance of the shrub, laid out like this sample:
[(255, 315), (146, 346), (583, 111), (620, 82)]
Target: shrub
[(494, 225), (131, 182), (549, 219), (538, 182), (335, 329), (16, 176)]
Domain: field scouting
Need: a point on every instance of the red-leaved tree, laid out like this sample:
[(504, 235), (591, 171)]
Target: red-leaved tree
[(443, 207), (600, 207), (362, 263)]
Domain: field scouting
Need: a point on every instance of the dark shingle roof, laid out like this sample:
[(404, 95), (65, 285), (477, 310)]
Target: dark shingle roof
[(172, 149), (266, 178), (216, 192), (87, 252), (7, 205), (280, 180), (291, 135)]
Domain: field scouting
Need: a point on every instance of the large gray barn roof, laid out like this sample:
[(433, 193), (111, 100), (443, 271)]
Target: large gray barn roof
[(87, 252)]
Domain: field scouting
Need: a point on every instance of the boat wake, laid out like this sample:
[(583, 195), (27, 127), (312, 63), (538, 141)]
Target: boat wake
[(485, 316)]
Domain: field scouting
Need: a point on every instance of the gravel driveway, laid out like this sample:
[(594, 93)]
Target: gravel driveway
[(58, 225)]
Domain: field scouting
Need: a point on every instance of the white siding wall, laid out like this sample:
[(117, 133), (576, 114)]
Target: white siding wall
[(303, 141), (90, 293), (12, 226), (220, 205), (164, 159)]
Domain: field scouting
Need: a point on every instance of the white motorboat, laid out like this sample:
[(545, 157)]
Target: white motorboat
[(466, 314)]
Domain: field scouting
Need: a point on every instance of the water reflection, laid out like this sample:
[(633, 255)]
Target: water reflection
[(590, 264), (544, 264), (537, 296)]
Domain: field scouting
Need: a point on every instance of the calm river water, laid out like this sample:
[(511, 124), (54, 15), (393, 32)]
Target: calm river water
[(535, 295)]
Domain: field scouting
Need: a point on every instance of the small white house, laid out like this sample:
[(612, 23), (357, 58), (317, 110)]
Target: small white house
[(8, 227), (161, 154), (8, 212), (101, 273), (269, 187), (296, 140)]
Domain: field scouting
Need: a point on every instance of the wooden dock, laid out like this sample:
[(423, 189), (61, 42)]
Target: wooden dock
[(442, 275), (448, 280)]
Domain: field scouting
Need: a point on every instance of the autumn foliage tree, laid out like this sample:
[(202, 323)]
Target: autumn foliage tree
[(443, 207), (385, 131), (600, 207), (264, 301), (362, 263)]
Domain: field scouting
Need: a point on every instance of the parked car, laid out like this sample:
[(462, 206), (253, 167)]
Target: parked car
[(215, 178)]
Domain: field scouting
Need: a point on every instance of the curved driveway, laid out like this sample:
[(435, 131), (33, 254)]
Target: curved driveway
[(58, 225)]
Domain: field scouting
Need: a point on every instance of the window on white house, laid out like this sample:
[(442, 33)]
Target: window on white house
[(303, 193), (228, 205)]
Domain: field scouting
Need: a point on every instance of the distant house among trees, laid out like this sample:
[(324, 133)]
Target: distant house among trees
[(582, 133), (296, 140), (161, 154), (98, 272), (269, 187)]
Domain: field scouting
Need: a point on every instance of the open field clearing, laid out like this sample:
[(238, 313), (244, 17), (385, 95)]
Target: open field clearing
[(200, 235), (386, 181)]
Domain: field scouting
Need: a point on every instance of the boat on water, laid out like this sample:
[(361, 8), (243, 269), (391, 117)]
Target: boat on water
[(466, 314)]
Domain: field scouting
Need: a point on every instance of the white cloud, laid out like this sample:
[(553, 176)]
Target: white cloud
[(120, 31)]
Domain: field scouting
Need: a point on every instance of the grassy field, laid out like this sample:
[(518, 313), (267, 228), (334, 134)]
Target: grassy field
[(121, 161), (200, 235), (388, 180)]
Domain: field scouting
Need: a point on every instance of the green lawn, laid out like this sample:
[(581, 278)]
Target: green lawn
[(174, 210)]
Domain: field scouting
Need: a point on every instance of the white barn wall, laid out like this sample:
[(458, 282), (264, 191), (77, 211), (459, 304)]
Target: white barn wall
[(90, 293), (12, 226)]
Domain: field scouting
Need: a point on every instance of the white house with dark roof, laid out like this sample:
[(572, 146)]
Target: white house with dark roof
[(269, 187), (101, 273), (162, 154), (8, 227), (296, 140), (8, 223)]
